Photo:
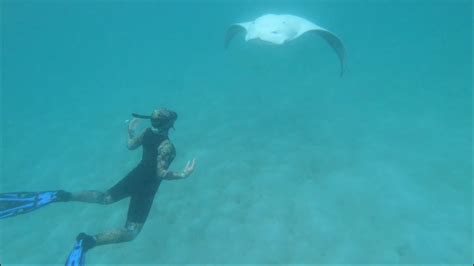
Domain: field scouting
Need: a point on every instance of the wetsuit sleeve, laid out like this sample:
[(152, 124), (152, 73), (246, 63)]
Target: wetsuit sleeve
[(166, 154)]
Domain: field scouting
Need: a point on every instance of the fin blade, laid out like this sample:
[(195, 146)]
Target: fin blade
[(12, 204), (77, 257)]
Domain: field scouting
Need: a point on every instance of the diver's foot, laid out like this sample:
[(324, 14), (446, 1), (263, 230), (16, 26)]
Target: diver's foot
[(88, 241), (62, 196)]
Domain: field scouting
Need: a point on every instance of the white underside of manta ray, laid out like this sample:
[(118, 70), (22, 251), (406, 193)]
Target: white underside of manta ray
[(278, 29)]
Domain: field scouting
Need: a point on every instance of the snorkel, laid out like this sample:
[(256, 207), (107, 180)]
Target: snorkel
[(141, 116)]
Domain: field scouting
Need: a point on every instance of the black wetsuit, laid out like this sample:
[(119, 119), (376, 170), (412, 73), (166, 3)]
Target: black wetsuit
[(142, 182)]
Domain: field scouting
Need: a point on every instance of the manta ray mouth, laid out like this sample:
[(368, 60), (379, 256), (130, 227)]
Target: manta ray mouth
[(265, 42), (273, 41)]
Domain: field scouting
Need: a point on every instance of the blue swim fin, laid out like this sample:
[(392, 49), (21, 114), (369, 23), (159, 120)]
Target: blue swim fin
[(77, 257), (12, 204)]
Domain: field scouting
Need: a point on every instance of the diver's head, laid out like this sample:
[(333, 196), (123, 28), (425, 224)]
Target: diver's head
[(161, 119)]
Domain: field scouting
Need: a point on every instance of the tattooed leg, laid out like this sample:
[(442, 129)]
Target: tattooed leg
[(128, 233), (93, 196)]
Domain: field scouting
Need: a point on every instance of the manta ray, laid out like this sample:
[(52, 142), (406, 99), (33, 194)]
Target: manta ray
[(279, 29)]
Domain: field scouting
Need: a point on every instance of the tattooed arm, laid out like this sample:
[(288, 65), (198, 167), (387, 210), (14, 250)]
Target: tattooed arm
[(166, 154)]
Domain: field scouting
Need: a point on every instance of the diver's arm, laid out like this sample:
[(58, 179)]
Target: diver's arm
[(170, 175), (166, 154), (134, 141), (188, 169)]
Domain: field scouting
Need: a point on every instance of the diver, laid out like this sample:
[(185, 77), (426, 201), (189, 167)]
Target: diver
[(140, 185)]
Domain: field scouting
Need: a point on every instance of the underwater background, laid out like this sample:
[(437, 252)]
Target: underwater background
[(293, 163)]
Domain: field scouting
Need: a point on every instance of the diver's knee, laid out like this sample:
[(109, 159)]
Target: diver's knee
[(132, 229), (107, 198)]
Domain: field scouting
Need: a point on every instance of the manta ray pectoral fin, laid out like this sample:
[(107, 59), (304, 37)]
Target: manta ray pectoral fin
[(336, 45), (234, 30)]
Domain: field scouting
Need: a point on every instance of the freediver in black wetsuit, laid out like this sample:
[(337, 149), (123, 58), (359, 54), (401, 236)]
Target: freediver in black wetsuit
[(140, 185), (142, 182)]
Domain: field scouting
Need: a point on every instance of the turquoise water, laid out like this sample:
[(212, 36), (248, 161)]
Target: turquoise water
[(294, 163)]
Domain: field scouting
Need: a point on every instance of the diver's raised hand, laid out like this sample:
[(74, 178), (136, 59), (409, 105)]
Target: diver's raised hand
[(132, 124), (189, 168)]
